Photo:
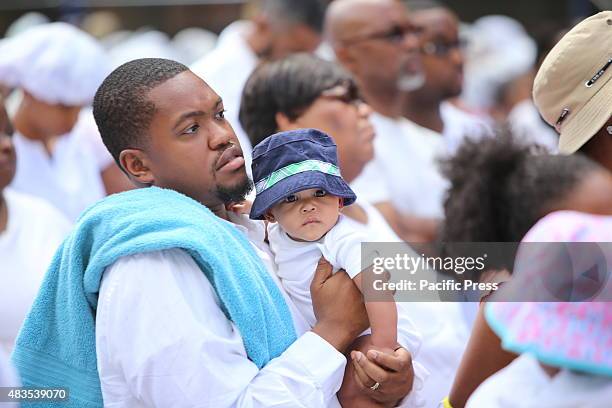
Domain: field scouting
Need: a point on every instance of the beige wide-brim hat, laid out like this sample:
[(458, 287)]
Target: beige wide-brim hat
[(573, 87)]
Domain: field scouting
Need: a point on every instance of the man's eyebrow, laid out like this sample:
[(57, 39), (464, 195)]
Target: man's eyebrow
[(186, 116)]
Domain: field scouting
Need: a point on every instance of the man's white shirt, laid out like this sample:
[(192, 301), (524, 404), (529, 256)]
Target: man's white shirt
[(162, 340)]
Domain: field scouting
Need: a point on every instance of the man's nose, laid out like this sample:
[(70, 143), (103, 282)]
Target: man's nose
[(364, 110), (410, 42), (219, 139), (6, 144), (456, 56)]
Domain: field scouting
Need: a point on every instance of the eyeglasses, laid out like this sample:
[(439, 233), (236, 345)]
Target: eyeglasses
[(346, 93), (442, 49), (394, 35)]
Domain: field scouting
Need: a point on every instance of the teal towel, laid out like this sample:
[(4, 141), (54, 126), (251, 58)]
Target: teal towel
[(57, 347)]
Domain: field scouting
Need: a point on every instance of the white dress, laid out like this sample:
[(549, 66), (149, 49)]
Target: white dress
[(34, 232), (70, 179)]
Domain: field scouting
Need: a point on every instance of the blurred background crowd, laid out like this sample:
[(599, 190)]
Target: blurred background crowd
[(478, 60)]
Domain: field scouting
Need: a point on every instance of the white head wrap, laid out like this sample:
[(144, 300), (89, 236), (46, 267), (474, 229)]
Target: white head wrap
[(56, 63), (144, 43), (499, 51), (25, 22)]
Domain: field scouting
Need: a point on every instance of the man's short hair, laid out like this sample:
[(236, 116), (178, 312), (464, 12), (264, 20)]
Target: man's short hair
[(287, 86), (121, 107), (308, 12)]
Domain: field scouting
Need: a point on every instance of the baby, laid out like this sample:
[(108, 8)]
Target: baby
[(301, 193)]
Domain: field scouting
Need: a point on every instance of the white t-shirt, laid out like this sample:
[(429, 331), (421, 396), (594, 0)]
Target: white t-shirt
[(377, 229), (70, 179), (297, 261), (226, 70), (404, 170), (524, 384), (459, 125), (34, 232), (148, 357)]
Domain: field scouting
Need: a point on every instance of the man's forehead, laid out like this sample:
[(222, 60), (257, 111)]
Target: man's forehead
[(388, 13), (436, 21), (185, 90)]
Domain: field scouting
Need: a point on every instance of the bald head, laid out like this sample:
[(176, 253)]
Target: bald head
[(381, 53), (344, 18), (430, 18)]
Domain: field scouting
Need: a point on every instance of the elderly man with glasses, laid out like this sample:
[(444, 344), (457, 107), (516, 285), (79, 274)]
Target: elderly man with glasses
[(382, 54)]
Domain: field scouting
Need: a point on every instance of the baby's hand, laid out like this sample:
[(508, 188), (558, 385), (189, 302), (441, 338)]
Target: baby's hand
[(243, 207)]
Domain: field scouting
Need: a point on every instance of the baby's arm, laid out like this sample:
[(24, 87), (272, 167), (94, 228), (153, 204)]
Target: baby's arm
[(383, 318), (343, 249)]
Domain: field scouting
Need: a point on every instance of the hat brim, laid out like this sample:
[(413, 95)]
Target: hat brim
[(588, 121), (539, 329), (333, 185)]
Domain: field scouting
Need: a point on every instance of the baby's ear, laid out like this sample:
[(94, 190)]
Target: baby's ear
[(269, 217), (340, 203)]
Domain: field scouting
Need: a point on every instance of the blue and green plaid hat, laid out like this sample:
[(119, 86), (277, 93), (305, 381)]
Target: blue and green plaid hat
[(288, 162)]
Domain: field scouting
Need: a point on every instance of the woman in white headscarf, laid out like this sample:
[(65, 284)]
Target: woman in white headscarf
[(57, 69), (30, 232)]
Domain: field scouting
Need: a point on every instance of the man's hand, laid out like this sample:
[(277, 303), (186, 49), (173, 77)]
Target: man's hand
[(338, 306), (393, 372)]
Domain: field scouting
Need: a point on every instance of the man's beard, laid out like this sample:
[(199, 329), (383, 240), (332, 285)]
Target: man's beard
[(236, 193)]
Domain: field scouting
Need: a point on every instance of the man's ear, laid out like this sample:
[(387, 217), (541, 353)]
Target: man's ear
[(136, 164)]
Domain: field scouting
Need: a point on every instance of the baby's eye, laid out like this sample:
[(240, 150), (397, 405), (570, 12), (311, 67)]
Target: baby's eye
[(320, 193), (291, 198)]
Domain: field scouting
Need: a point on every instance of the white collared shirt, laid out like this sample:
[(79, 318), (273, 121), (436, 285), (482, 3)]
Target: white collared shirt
[(162, 340), (151, 358)]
